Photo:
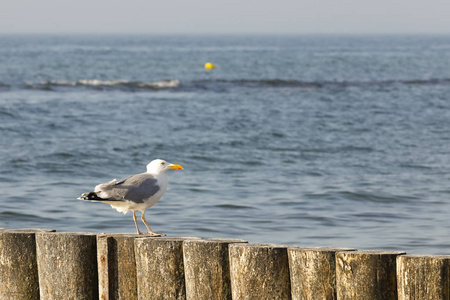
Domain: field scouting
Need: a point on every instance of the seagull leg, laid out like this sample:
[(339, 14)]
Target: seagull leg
[(135, 223), (148, 227)]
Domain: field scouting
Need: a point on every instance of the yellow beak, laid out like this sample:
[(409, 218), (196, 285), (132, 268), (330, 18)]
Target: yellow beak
[(177, 167)]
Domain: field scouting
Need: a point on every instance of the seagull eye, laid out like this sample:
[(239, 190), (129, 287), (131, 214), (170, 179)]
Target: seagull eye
[(163, 163)]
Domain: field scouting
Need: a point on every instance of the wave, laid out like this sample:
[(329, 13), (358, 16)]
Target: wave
[(104, 84), (219, 85), (330, 84)]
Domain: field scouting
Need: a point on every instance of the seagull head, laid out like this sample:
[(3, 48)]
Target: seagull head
[(158, 166)]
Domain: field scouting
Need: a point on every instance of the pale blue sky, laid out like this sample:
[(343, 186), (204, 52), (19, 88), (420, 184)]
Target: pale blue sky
[(230, 16)]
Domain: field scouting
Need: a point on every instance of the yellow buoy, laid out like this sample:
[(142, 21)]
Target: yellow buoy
[(210, 66)]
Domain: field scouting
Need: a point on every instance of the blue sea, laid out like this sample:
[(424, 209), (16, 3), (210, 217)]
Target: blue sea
[(308, 140)]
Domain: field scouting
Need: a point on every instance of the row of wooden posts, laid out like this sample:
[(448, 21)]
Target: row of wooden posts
[(43, 264)]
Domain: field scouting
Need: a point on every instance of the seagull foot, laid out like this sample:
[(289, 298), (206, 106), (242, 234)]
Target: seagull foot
[(152, 234)]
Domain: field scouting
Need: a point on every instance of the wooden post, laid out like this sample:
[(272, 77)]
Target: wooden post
[(207, 269), (423, 277), (18, 267), (313, 272), (259, 271), (116, 266), (160, 268), (67, 265), (366, 275), (35, 230)]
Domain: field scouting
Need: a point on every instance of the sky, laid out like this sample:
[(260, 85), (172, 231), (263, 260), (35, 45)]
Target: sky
[(229, 17)]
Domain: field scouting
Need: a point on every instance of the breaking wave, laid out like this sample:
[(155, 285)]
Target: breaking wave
[(104, 84), (218, 84)]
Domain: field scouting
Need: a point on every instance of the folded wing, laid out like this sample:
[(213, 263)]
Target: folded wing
[(136, 188)]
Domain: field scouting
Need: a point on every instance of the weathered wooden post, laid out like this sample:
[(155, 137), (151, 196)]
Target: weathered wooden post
[(160, 268), (18, 266), (67, 265), (207, 268), (366, 275), (313, 272), (116, 266), (423, 277), (259, 271)]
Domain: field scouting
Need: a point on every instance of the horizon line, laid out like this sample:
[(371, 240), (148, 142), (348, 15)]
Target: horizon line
[(235, 33)]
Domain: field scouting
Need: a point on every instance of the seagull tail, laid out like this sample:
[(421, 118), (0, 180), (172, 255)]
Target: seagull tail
[(92, 196)]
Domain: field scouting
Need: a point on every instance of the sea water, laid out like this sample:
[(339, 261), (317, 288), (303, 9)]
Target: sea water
[(307, 140)]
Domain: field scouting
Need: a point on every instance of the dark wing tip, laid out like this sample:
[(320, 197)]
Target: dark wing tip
[(90, 196)]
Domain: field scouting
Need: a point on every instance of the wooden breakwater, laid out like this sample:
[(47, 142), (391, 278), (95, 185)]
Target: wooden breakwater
[(41, 264)]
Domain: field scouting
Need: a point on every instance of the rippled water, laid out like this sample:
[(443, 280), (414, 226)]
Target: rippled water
[(306, 140)]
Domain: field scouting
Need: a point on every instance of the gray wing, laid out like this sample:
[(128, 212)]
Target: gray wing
[(136, 188)]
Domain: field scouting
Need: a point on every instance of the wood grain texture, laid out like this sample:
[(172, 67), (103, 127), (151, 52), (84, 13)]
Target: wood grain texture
[(423, 277), (259, 271), (366, 275), (67, 264)]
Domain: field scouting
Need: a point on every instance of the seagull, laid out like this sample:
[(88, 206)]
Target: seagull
[(137, 192)]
